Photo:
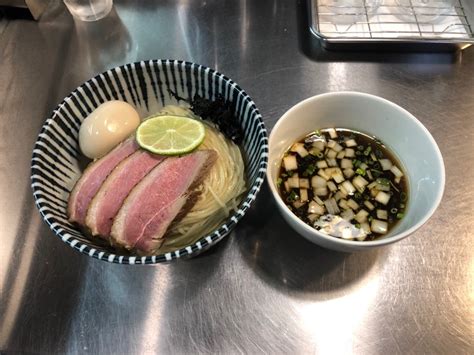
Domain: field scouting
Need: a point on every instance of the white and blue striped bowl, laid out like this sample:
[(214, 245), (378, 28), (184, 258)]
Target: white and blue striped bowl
[(146, 85)]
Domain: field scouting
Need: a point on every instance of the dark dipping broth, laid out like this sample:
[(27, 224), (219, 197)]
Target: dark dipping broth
[(344, 183)]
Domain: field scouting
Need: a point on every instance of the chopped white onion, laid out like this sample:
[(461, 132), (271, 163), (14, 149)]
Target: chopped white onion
[(369, 174), (365, 227), (397, 172), (304, 183), (294, 182), (287, 186), (369, 205), (374, 192), (300, 149), (371, 185), (386, 164), (318, 200), (319, 145), (382, 197), (348, 173), (331, 206), (338, 148), (350, 143), (323, 174), (341, 155), (359, 183), (378, 226), (363, 166), (361, 216), (321, 191), (313, 207), (382, 187), (332, 162), (332, 186), (397, 180), (343, 191), (347, 214), (332, 132), (321, 164), (304, 195), (346, 164), (350, 153), (338, 196), (331, 154), (318, 181), (313, 217), (298, 204), (331, 143), (290, 162), (352, 204), (343, 204), (337, 176), (349, 187), (382, 214)]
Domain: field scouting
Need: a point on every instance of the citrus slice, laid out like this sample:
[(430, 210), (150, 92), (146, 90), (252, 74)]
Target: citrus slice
[(170, 135)]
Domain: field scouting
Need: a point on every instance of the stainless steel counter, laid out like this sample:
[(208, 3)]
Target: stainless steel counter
[(264, 289)]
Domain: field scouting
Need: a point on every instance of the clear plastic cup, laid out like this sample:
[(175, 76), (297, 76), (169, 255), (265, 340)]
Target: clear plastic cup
[(89, 10)]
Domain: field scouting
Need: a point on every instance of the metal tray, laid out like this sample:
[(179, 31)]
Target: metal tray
[(419, 25)]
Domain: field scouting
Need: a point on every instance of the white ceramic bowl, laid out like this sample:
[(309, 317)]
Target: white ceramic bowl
[(397, 128)]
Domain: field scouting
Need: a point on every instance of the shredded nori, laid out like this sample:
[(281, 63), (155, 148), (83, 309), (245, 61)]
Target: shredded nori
[(218, 111)]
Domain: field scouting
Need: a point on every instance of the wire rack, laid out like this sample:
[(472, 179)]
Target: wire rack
[(394, 19)]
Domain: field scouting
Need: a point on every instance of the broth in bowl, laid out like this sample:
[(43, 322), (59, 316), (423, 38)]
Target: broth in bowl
[(344, 183)]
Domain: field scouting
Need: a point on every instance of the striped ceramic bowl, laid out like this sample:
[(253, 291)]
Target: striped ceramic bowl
[(146, 85)]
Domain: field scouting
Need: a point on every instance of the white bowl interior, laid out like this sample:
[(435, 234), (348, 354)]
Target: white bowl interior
[(401, 132)]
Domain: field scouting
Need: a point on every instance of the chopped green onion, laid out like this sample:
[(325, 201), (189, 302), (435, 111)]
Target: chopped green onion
[(403, 196), (402, 206), (320, 155), (317, 132), (360, 147), (367, 150), (279, 182), (383, 181), (378, 153), (290, 173), (370, 218), (400, 215), (357, 225), (357, 195), (360, 171), (309, 170), (293, 196), (356, 163), (394, 210)]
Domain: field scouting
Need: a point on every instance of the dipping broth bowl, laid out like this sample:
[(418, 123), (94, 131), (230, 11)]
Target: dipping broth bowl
[(399, 130)]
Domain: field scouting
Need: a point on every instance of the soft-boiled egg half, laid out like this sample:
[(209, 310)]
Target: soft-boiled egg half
[(107, 126)]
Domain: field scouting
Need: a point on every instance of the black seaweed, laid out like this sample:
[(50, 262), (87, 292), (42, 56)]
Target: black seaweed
[(219, 111)]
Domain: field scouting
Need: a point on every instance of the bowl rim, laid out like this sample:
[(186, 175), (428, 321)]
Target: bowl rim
[(354, 243), (205, 241)]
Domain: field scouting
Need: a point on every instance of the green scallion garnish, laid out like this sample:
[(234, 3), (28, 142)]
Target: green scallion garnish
[(292, 197), (360, 171)]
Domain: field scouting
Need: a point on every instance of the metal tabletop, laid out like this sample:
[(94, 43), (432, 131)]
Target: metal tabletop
[(264, 289)]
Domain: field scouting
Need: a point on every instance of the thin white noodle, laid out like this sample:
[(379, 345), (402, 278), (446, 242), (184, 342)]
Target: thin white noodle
[(221, 191)]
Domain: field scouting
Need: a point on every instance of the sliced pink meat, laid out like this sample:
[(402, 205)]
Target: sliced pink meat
[(93, 177), (158, 199), (116, 187)]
